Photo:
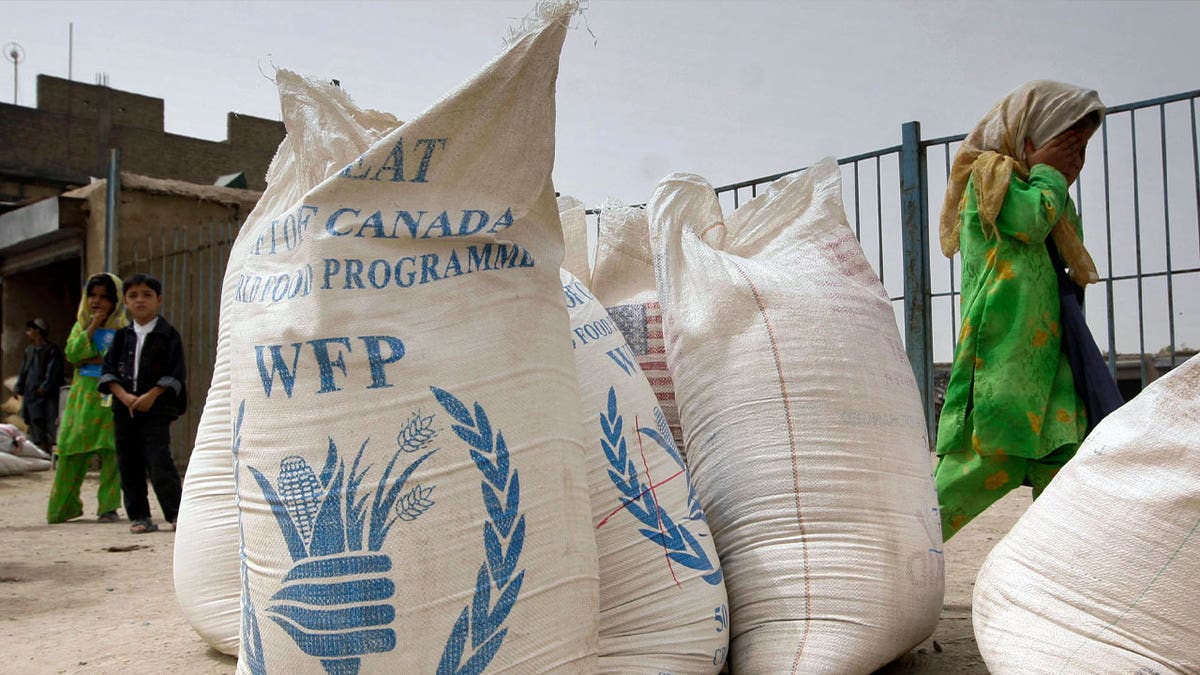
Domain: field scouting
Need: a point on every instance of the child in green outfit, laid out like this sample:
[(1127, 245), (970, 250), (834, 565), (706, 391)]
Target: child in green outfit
[(1012, 416), (87, 423)]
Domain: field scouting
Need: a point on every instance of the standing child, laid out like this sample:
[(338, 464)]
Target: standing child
[(145, 373), (41, 376), (1012, 415), (87, 423)]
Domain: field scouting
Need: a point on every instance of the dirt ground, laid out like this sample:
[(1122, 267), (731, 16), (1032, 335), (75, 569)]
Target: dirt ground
[(89, 597)]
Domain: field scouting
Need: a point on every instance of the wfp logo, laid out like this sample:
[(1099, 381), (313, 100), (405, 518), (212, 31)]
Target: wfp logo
[(336, 601), (641, 500)]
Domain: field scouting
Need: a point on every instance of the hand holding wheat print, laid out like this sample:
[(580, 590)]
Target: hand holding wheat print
[(334, 601)]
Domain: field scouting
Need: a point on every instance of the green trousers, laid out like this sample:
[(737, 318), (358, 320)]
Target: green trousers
[(68, 480), (968, 483)]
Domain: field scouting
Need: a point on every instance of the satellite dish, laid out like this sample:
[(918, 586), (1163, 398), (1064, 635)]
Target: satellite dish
[(14, 53)]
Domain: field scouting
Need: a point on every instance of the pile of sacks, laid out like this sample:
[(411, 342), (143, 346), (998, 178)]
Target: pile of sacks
[(19, 455), (11, 408), (440, 439)]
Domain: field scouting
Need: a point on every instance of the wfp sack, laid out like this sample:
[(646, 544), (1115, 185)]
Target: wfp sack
[(206, 544), (408, 456), (662, 595), (323, 123), (623, 281), (805, 433), (1100, 573)]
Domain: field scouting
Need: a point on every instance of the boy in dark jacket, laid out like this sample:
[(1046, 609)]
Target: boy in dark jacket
[(144, 371)]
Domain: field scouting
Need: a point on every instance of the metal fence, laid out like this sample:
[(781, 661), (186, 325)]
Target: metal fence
[(1139, 202), (191, 265)]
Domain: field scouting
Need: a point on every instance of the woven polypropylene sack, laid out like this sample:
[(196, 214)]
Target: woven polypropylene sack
[(14, 442), (11, 465), (662, 593), (207, 582), (575, 246), (805, 433), (623, 281), (409, 465), (1099, 575), (208, 586)]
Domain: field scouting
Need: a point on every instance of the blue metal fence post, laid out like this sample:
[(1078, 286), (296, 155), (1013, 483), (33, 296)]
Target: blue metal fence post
[(914, 209), (112, 210)]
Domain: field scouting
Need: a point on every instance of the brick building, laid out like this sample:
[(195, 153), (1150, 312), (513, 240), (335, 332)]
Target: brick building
[(53, 208), (67, 137)]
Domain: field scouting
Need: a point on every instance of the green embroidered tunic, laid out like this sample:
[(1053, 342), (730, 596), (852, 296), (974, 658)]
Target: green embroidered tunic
[(86, 425), (1011, 392)]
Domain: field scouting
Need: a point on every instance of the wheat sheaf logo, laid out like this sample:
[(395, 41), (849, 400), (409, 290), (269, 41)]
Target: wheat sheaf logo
[(479, 631), (336, 600), (641, 501)]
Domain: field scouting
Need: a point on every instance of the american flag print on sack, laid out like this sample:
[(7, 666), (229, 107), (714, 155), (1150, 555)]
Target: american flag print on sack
[(641, 324)]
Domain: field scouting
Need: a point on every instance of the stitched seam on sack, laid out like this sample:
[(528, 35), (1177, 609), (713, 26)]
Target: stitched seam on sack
[(1134, 604), (787, 407)]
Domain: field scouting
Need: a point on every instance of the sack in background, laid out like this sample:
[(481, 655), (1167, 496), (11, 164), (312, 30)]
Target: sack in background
[(623, 281), (805, 432), (662, 594), (14, 442), (576, 259)]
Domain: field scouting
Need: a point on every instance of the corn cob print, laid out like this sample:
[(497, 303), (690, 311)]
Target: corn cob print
[(301, 494)]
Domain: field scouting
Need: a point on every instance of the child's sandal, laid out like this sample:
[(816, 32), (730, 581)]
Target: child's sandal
[(143, 527)]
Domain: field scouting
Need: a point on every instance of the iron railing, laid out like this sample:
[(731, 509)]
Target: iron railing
[(1145, 253), (1135, 244)]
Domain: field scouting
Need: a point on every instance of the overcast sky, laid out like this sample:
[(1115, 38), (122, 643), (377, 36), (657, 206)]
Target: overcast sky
[(729, 90)]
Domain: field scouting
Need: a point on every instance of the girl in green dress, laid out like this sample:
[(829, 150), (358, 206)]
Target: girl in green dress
[(87, 424), (1012, 416)]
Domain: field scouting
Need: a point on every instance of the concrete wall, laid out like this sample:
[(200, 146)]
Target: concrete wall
[(67, 138), (170, 221)]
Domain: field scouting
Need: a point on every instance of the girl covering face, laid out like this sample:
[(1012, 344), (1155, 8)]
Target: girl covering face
[(1012, 416)]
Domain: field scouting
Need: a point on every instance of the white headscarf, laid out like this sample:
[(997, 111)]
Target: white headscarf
[(1037, 110)]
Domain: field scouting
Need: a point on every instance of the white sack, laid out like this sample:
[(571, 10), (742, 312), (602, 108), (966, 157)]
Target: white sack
[(13, 441), (206, 562), (576, 260), (208, 585), (1100, 573), (623, 281), (410, 472), (662, 594), (805, 433), (12, 465)]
